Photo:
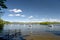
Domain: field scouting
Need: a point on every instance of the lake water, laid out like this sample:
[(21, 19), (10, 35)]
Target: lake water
[(31, 29), (35, 29)]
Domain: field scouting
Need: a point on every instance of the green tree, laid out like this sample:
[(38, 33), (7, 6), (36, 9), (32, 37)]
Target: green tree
[(2, 6)]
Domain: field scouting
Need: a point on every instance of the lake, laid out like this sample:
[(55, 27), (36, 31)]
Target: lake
[(32, 29)]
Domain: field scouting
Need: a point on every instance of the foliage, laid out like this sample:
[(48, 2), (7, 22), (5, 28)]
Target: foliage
[(2, 4), (1, 24), (47, 23)]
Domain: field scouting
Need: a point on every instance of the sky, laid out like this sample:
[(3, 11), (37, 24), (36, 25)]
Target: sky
[(32, 10)]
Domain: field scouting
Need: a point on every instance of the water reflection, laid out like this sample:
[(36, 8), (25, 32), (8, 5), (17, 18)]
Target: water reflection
[(17, 30), (13, 35), (27, 28)]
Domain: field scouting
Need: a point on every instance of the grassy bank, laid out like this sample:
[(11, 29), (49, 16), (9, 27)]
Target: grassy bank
[(47, 23), (1, 25), (2, 22)]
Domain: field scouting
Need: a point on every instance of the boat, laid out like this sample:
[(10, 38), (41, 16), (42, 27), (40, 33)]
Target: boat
[(30, 25), (50, 26)]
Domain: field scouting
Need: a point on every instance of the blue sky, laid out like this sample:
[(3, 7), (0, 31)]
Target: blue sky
[(32, 10)]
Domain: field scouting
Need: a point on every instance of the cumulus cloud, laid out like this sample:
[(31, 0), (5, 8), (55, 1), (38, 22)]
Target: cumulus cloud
[(35, 20), (30, 17), (17, 14), (10, 15), (22, 15), (16, 10), (44, 20), (54, 20), (50, 20)]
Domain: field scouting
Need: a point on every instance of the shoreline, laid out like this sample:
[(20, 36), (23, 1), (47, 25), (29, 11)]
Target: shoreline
[(47, 36)]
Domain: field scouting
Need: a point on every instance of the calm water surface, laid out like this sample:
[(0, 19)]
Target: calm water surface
[(35, 29)]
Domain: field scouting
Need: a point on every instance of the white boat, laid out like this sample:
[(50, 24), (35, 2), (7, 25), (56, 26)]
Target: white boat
[(50, 26), (30, 25)]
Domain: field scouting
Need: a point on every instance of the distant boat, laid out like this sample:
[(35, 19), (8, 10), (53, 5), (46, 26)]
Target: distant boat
[(30, 25), (50, 26)]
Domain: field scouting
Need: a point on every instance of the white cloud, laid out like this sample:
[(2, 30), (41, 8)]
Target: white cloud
[(22, 15), (54, 20), (17, 14), (33, 19), (44, 20), (50, 20), (30, 17), (10, 15), (16, 10)]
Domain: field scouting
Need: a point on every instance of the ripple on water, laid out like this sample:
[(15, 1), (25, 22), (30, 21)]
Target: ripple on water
[(56, 33)]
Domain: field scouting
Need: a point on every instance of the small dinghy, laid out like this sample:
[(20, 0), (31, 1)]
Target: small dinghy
[(30, 25), (50, 26)]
